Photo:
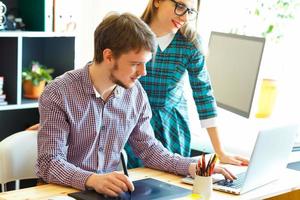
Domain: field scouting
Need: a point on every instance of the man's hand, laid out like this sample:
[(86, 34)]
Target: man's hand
[(111, 184), (33, 127), (226, 173)]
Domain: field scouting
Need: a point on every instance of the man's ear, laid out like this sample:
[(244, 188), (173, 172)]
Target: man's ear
[(156, 3), (107, 55)]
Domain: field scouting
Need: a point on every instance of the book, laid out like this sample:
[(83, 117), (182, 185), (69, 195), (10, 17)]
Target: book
[(3, 103), (1, 84), (2, 97)]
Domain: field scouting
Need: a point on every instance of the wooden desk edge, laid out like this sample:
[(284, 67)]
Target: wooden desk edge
[(50, 190)]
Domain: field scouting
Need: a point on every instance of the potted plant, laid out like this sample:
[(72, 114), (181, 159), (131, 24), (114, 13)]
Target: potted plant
[(34, 79)]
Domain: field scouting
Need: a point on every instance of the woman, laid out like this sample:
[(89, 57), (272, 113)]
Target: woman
[(178, 53)]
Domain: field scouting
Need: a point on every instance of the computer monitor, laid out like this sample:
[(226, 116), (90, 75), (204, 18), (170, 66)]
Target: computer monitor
[(233, 62)]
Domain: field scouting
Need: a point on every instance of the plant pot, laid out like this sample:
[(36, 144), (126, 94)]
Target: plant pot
[(32, 91)]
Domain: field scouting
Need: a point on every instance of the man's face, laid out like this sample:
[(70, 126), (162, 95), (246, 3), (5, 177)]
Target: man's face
[(129, 67)]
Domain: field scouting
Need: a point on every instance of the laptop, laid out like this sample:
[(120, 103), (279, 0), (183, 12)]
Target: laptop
[(268, 160)]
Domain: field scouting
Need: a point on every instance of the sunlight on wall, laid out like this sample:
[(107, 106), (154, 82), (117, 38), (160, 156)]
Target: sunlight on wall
[(289, 99), (279, 62), (92, 13)]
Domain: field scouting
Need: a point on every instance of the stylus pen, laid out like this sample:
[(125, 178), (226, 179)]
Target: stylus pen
[(125, 169)]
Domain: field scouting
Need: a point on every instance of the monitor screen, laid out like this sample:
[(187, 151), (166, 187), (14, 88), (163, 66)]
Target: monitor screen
[(233, 62)]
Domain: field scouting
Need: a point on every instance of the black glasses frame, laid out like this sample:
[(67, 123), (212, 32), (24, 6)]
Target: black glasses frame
[(190, 11)]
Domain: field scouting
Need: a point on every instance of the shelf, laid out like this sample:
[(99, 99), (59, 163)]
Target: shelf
[(18, 107), (53, 52), (17, 51), (29, 101), (35, 34), (25, 103)]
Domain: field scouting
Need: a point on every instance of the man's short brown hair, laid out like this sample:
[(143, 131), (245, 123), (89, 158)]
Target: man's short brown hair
[(122, 33)]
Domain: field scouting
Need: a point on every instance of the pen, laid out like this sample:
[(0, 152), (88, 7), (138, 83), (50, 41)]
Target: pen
[(124, 166), (213, 163), (207, 170), (203, 164)]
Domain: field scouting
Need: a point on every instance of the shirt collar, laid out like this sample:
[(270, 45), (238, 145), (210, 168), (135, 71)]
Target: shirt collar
[(90, 89), (96, 93), (164, 41), (117, 92)]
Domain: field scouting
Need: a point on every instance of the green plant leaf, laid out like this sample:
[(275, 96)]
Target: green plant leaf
[(37, 73), (270, 28)]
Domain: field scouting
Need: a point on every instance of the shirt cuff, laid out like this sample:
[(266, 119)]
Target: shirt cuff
[(208, 123), (183, 165), (79, 179)]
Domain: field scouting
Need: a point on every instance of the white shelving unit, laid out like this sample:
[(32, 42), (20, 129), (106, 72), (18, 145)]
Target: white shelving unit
[(17, 51)]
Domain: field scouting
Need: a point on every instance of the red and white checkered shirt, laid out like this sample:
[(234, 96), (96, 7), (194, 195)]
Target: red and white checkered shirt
[(80, 134)]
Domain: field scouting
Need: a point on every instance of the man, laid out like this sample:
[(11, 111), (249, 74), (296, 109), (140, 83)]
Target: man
[(87, 115)]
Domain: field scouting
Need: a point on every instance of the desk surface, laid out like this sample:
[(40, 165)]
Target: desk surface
[(288, 182)]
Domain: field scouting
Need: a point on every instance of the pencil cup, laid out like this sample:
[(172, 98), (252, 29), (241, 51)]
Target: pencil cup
[(203, 186)]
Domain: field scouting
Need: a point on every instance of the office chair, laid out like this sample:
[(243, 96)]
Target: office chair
[(18, 154)]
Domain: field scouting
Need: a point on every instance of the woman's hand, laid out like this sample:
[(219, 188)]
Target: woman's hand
[(233, 159)]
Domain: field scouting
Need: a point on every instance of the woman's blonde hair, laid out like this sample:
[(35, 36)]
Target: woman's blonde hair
[(186, 30)]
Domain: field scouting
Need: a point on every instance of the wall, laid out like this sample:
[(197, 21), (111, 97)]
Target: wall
[(92, 13)]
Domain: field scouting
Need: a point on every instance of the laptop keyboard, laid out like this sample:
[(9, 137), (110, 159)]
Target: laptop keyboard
[(233, 184)]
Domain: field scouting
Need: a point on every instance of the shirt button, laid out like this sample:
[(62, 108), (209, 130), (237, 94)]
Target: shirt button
[(101, 149)]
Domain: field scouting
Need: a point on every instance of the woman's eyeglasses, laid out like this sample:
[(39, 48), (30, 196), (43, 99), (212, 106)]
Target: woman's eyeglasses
[(181, 9)]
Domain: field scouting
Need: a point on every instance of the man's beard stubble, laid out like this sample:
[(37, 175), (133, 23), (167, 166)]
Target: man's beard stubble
[(114, 79)]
